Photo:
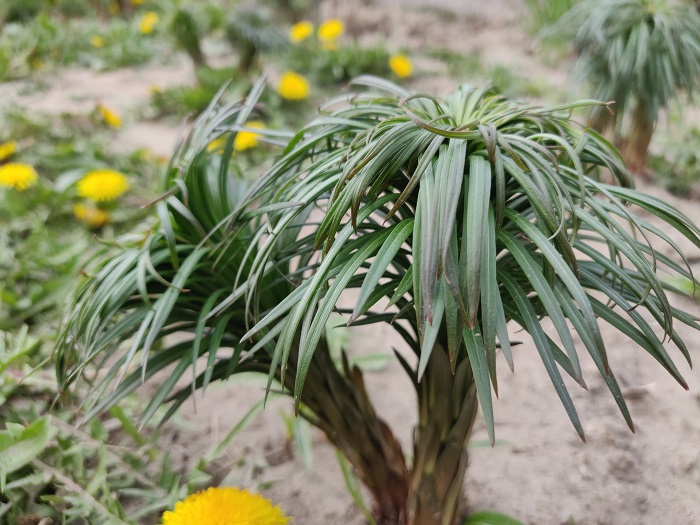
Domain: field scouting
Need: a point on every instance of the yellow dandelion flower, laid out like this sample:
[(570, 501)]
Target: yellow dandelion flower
[(216, 145), (330, 30), (7, 149), (225, 506), (401, 66), (136, 2), (148, 22), (18, 176), (102, 185), (109, 116), (300, 31), (247, 139), (97, 41), (293, 86), (91, 215)]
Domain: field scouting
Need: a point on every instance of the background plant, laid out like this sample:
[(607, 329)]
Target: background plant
[(677, 165), (338, 66), (251, 32), (50, 468), (544, 13), (641, 54)]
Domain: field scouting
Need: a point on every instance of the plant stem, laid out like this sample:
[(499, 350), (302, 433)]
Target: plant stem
[(634, 147), (247, 56), (602, 119), (337, 403), (447, 408)]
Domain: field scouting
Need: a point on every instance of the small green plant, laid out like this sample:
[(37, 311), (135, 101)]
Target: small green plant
[(251, 33), (641, 54), (47, 42), (544, 13), (183, 100), (459, 65), (338, 66), (677, 167), (188, 35), (52, 469)]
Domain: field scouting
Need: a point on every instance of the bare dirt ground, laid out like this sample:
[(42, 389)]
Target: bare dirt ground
[(539, 471)]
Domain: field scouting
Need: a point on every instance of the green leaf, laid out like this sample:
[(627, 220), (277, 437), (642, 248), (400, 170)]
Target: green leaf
[(477, 191), (477, 359), (488, 517), (545, 293), (17, 451), (532, 325), (385, 256), (567, 277)]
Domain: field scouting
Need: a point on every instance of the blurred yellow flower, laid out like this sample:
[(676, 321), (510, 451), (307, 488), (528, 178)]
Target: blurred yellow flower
[(216, 145), (330, 30), (18, 176), (97, 41), (136, 2), (148, 22), (91, 215), (225, 506), (102, 185), (7, 149), (247, 139), (293, 86), (300, 31), (110, 117), (401, 66)]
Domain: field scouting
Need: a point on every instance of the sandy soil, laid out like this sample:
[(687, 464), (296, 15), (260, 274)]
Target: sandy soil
[(540, 471)]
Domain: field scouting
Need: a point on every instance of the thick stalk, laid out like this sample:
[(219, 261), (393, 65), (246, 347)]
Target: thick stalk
[(636, 144), (602, 119), (336, 402), (447, 408), (247, 56)]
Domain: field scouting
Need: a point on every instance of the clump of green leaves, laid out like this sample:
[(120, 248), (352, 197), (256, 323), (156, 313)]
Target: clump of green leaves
[(677, 166), (463, 214), (335, 62), (51, 467), (641, 54), (180, 101), (544, 13), (338, 65), (252, 33), (45, 41), (188, 35)]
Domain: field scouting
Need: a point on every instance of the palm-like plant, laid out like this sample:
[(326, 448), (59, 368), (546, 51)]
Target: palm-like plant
[(250, 30), (454, 216), (638, 53), (188, 35)]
